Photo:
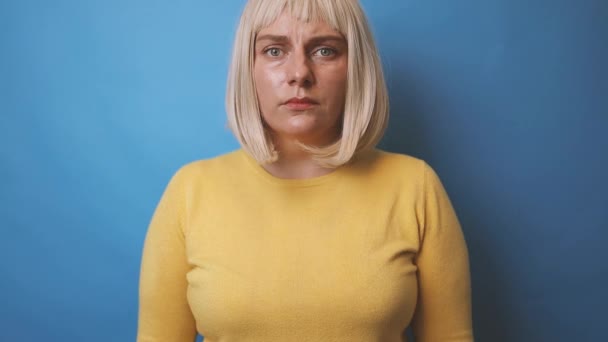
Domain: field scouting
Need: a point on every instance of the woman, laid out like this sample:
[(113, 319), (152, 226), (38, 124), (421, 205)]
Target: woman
[(307, 233)]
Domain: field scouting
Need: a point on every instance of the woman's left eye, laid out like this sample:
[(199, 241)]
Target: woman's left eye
[(274, 52), (325, 52)]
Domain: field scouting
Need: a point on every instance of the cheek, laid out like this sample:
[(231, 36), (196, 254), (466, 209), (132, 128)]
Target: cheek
[(336, 86), (335, 75), (267, 82), (260, 83)]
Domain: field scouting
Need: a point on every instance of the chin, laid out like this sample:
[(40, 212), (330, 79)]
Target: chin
[(300, 125), (304, 128)]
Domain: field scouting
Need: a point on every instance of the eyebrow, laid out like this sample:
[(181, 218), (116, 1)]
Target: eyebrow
[(314, 40)]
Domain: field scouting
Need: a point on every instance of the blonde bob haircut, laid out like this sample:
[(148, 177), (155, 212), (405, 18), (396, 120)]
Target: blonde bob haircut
[(366, 103)]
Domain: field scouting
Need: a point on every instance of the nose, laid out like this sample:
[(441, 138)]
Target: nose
[(299, 70)]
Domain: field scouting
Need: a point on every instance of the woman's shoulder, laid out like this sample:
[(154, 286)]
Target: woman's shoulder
[(397, 158), (386, 162), (208, 167)]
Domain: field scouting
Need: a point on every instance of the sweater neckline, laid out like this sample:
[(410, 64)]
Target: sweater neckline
[(288, 182)]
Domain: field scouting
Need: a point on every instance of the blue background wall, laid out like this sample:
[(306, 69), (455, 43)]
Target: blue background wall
[(101, 101)]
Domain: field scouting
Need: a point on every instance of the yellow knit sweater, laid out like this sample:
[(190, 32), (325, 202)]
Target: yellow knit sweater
[(355, 255)]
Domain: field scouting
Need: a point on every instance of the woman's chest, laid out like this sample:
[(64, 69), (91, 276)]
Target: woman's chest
[(269, 267)]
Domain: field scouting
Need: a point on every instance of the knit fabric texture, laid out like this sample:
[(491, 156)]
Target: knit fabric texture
[(358, 254)]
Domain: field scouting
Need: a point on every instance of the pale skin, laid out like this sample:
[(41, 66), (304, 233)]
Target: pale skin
[(294, 59)]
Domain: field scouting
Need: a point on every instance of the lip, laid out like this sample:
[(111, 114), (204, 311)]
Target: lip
[(303, 103)]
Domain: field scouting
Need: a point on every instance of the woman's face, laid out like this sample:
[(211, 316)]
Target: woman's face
[(307, 64)]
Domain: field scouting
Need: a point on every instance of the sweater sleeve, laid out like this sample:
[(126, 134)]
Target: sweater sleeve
[(443, 311), (164, 313)]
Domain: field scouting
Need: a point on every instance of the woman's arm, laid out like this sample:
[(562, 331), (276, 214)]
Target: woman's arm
[(443, 311), (164, 313)]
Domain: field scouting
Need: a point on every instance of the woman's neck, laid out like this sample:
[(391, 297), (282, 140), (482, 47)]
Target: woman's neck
[(294, 163)]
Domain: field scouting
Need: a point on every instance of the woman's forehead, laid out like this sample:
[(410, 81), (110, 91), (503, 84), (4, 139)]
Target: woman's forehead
[(287, 25)]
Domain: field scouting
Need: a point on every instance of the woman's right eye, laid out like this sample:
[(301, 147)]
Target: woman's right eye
[(273, 52)]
